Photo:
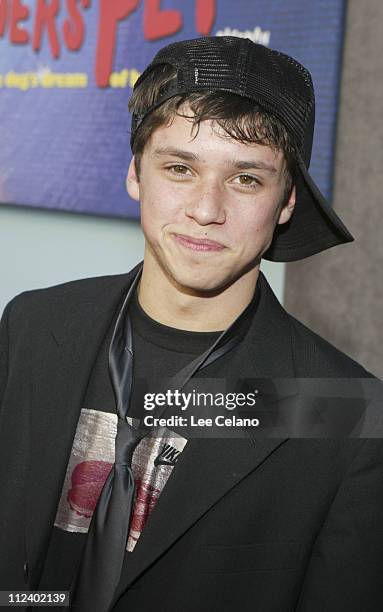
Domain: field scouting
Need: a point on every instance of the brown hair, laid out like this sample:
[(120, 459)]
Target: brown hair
[(237, 116)]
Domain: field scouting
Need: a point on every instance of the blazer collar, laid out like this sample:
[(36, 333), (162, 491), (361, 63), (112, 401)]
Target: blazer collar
[(78, 324)]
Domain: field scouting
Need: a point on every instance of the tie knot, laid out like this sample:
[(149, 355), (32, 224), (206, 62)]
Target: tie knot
[(126, 441)]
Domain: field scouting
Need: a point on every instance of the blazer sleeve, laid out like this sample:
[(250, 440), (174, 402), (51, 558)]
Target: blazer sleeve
[(4, 350), (346, 566)]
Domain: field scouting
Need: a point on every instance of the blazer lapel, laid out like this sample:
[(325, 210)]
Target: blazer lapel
[(206, 471), (209, 468), (73, 331)]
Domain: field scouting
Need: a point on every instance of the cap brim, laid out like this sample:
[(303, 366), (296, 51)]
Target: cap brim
[(313, 227)]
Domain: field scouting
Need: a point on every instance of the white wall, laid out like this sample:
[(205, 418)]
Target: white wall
[(39, 248)]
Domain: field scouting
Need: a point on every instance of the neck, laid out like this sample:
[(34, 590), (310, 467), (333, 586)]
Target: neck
[(167, 303)]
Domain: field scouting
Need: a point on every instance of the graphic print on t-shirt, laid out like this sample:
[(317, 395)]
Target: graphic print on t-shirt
[(91, 460)]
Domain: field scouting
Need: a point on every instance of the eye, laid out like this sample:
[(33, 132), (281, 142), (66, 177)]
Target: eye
[(247, 180), (178, 169)]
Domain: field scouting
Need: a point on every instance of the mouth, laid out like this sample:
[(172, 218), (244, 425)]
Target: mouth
[(198, 244)]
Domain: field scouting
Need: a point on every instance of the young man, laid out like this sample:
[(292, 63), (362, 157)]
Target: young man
[(128, 518)]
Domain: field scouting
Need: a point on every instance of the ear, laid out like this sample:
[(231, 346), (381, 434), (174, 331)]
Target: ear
[(288, 207), (132, 181)]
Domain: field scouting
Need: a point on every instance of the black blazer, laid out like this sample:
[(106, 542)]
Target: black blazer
[(250, 524)]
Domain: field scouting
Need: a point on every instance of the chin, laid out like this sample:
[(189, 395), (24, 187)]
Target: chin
[(189, 281)]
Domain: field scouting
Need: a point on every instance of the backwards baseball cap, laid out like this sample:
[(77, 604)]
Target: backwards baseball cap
[(279, 85)]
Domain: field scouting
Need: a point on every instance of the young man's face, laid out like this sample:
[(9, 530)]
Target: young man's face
[(209, 204)]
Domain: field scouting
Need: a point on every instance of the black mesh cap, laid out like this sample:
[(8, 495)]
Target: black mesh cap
[(281, 86)]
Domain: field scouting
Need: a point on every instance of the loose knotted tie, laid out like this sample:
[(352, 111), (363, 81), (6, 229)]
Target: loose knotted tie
[(100, 569), (108, 532)]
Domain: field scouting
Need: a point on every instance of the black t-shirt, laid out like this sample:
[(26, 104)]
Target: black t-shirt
[(159, 352)]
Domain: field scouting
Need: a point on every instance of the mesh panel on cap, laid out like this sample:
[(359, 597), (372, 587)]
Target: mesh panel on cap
[(270, 78), (208, 65)]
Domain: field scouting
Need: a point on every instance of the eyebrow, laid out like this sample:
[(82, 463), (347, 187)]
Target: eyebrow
[(238, 164)]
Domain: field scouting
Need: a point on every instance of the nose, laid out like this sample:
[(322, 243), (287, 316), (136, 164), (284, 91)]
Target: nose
[(206, 205)]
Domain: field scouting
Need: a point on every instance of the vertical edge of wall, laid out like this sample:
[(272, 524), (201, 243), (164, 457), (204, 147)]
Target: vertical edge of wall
[(339, 293)]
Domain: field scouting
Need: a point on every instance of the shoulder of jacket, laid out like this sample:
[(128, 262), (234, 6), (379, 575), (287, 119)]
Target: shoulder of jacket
[(315, 356), (81, 289)]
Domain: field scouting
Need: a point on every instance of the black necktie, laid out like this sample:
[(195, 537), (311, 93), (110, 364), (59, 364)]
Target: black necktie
[(93, 588)]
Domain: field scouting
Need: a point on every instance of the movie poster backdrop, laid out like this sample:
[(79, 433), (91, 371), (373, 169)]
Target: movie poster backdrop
[(67, 68)]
